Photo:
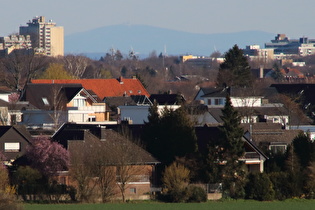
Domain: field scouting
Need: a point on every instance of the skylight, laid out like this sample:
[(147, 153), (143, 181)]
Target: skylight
[(45, 101)]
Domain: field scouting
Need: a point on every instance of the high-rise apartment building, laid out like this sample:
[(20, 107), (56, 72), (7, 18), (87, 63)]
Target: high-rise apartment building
[(47, 38)]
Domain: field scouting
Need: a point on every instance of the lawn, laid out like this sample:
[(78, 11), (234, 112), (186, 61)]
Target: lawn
[(224, 205)]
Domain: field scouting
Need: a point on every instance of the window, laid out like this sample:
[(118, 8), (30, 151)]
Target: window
[(275, 120), (218, 101), (133, 190), (12, 147), (278, 147), (209, 101), (78, 102), (45, 101), (92, 119)]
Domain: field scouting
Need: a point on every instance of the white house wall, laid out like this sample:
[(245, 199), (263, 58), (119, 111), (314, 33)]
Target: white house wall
[(139, 114), (40, 118), (134, 114), (246, 102)]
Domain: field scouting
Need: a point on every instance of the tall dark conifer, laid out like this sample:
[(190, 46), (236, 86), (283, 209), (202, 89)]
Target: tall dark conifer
[(231, 131), (170, 135), (232, 145), (235, 70)]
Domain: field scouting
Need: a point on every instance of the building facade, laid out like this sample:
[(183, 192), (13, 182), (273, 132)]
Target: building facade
[(285, 47), (47, 38)]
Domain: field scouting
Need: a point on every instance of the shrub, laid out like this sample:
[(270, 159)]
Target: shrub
[(196, 194), (175, 181), (7, 193), (286, 185), (259, 187)]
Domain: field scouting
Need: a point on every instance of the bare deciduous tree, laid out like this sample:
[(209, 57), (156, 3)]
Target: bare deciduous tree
[(19, 68), (76, 64), (106, 166), (58, 105)]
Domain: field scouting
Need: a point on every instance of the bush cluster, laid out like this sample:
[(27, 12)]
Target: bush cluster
[(191, 193)]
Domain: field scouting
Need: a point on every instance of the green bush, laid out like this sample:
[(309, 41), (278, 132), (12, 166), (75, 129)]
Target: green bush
[(259, 187), (286, 185), (196, 194)]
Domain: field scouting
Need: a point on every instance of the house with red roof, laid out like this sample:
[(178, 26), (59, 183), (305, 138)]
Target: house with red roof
[(105, 87), (54, 104)]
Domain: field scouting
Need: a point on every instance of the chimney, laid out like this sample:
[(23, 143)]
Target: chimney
[(103, 133), (120, 80), (261, 72)]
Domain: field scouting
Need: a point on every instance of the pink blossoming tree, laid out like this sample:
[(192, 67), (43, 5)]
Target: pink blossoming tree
[(47, 156)]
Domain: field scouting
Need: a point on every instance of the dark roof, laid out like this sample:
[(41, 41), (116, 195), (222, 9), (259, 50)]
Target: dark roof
[(119, 101), (296, 90), (94, 95), (73, 131), (127, 100), (269, 92), (4, 129), (35, 94), (167, 99), (21, 105), (295, 118), (21, 129), (214, 92), (263, 110), (261, 126), (206, 134), (73, 136), (216, 114), (4, 103), (115, 146), (276, 135), (91, 95), (141, 99)]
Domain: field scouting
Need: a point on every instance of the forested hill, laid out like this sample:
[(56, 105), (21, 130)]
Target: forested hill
[(144, 39)]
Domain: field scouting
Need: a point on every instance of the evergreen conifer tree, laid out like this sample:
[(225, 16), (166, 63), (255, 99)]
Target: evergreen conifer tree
[(235, 70), (232, 145), (170, 135)]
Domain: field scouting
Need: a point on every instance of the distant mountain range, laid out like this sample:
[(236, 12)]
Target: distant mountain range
[(145, 39)]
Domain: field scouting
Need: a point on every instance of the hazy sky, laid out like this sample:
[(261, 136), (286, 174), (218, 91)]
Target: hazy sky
[(292, 17)]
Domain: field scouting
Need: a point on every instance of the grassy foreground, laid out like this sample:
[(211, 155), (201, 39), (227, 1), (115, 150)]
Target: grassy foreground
[(213, 205)]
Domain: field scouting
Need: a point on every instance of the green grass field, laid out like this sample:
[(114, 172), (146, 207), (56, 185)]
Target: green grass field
[(224, 205)]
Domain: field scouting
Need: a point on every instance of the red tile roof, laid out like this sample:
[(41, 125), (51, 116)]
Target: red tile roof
[(105, 87)]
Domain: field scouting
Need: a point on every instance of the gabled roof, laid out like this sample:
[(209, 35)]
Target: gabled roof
[(216, 114), (295, 119), (20, 129), (127, 100), (141, 100), (239, 92), (43, 96), (167, 99), (106, 87), (78, 137), (214, 92), (274, 135), (212, 134), (262, 110), (119, 101), (302, 89)]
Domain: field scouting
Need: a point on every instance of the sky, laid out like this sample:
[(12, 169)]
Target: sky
[(295, 18)]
